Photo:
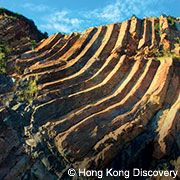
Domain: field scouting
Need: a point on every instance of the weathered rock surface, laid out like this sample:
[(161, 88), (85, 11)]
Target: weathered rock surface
[(104, 99), (17, 31), (18, 34), (6, 83)]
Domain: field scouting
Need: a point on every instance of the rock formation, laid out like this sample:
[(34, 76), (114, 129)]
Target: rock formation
[(106, 97)]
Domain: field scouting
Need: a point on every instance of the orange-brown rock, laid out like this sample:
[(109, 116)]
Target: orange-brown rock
[(106, 97)]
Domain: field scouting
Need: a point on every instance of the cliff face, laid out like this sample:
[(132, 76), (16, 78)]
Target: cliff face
[(17, 31), (107, 97), (17, 35)]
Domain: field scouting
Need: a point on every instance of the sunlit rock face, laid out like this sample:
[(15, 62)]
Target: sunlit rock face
[(106, 97)]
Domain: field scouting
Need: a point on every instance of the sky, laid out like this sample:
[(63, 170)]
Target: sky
[(75, 16)]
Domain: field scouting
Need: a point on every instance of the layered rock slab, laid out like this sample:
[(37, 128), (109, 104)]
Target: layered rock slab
[(101, 92)]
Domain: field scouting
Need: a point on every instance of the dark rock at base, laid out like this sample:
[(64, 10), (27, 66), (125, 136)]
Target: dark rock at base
[(6, 83)]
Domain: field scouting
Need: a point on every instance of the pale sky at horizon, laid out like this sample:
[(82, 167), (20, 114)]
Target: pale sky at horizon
[(70, 16)]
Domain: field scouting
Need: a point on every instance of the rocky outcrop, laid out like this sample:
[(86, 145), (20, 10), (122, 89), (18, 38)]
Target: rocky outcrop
[(18, 34), (6, 84), (106, 97), (17, 31)]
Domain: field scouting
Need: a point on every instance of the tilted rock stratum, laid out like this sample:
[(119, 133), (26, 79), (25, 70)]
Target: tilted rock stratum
[(106, 97)]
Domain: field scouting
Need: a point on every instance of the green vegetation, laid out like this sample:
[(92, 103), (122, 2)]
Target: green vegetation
[(177, 39), (157, 28), (45, 34), (163, 54), (164, 166), (2, 63), (33, 44), (171, 22), (18, 69), (2, 10), (4, 51), (28, 91), (133, 16)]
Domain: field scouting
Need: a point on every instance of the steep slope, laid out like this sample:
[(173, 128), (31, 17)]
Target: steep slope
[(17, 31), (106, 97), (17, 34)]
